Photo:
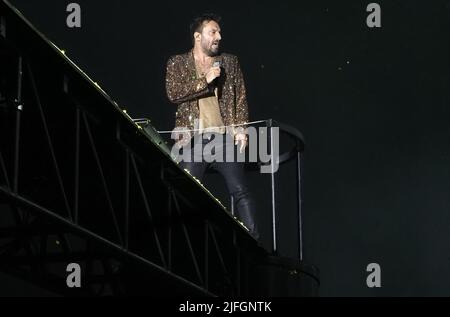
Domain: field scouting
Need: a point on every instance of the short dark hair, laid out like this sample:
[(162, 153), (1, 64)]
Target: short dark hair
[(197, 22)]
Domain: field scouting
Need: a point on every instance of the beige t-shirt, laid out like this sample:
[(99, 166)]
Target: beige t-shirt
[(210, 119)]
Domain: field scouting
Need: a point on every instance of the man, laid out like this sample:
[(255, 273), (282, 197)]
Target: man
[(208, 88)]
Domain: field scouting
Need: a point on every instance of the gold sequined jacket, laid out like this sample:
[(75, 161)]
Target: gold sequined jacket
[(184, 88)]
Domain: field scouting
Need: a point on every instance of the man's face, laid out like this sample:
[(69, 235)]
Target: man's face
[(210, 38)]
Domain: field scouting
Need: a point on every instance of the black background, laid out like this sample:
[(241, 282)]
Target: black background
[(371, 102)]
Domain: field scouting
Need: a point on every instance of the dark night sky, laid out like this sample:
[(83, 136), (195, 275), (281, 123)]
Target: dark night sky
[(372, 104)]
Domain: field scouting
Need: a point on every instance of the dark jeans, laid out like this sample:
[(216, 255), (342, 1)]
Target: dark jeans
[(233, 173)]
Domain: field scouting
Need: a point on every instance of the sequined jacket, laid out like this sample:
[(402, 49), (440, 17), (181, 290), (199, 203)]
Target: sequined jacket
[(184, 89)]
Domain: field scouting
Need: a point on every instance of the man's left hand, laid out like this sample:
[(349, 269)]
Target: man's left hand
[(241, 138)]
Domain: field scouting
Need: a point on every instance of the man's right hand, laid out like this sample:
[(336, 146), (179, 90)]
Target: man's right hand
[(212, 74)]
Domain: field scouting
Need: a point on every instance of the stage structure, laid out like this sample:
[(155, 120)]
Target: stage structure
[(82, 183)]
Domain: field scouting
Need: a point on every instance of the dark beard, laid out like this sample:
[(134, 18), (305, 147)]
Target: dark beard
[(210, 52)]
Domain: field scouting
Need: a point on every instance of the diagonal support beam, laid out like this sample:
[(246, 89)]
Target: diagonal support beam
[(49, 140), (102, 176), (4, 171), (188, 239), (147, 209)]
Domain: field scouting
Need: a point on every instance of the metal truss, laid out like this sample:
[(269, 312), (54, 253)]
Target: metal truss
[(95, 190)]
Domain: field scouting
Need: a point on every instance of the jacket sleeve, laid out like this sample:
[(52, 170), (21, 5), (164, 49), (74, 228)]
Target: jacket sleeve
[(241, 96), (181, 86)]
